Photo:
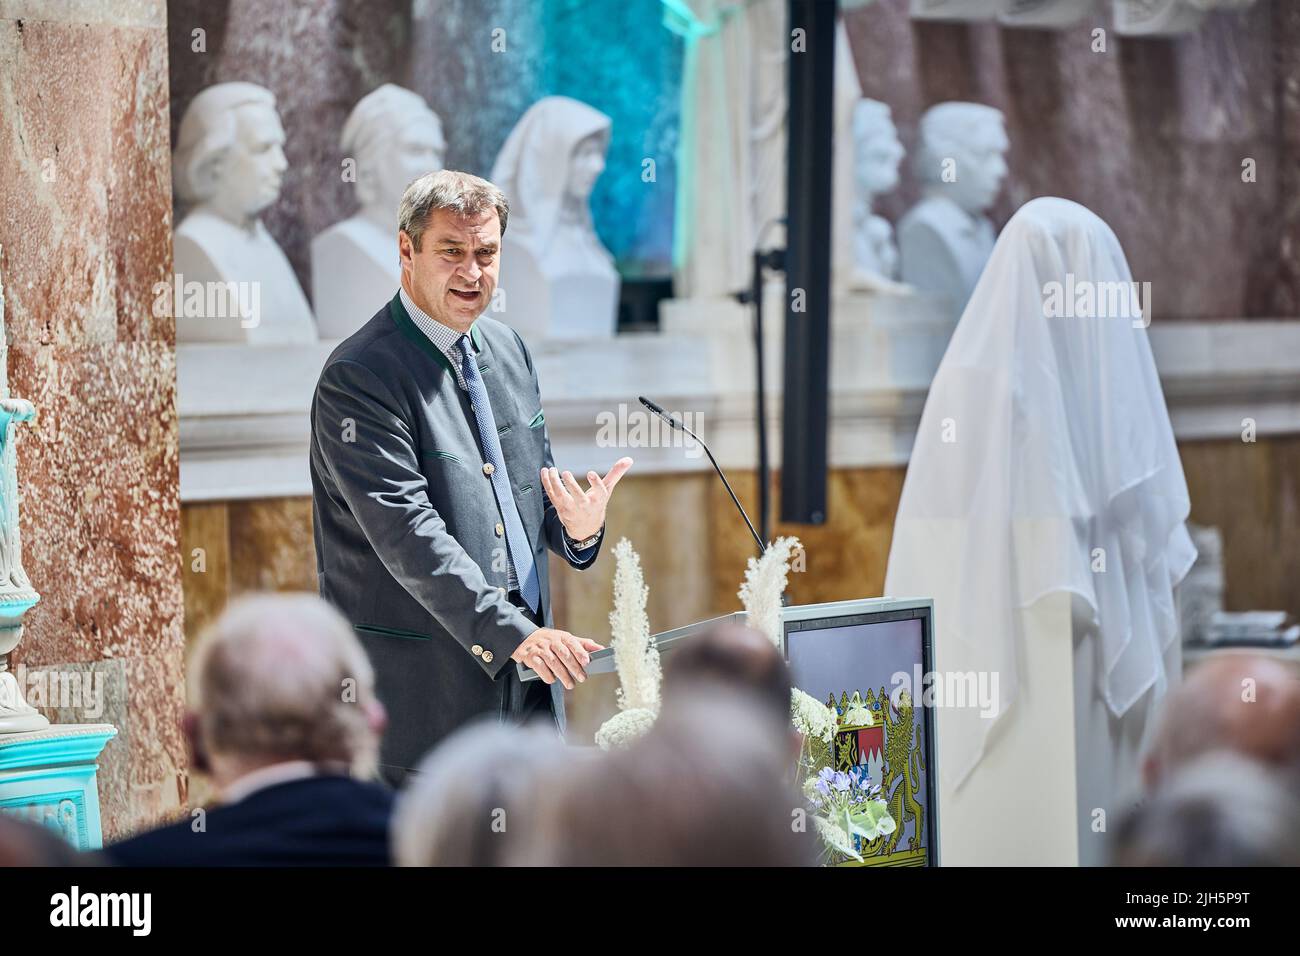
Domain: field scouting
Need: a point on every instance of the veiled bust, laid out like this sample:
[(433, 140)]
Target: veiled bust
[(557, 277)]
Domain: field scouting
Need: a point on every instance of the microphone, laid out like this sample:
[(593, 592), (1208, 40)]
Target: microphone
[(677, 424)]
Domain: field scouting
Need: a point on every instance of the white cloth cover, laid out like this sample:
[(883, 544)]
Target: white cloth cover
[(1044, 439)]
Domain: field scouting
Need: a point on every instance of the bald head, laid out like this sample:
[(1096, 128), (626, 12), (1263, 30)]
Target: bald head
[(282, 677), (26, 843), (1243, 703)]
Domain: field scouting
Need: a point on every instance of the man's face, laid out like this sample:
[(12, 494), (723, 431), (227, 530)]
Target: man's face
[(454, 273), (250, 174)]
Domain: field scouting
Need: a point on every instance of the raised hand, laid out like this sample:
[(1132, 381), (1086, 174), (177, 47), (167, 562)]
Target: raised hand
[(582, 512)]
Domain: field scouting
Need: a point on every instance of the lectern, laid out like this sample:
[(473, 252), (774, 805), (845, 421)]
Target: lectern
[(869, 660)]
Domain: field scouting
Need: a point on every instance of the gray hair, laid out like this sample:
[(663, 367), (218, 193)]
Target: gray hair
[(449, 189), (467, 804), (283, 677)]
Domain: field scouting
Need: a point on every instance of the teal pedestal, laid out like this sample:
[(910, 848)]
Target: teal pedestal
[(48, 777)]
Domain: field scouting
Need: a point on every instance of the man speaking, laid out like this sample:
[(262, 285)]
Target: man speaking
[(434, 494)]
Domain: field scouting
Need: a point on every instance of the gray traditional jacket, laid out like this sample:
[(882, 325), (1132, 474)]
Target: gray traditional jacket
[(409, 542)]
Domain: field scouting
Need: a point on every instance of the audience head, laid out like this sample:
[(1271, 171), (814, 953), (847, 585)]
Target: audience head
[(24, 843), (281, 677), (471, 800), (736, 657), (709, 785), (1245, 703), (1221, 809)]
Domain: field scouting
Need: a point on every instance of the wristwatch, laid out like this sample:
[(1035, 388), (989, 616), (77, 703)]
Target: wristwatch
[(585, 543)]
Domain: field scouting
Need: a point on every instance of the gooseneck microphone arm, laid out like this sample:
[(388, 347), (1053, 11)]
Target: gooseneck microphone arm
[(676, 423)]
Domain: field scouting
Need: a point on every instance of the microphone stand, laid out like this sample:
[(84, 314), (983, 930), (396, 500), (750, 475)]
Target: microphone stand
[(676, 423), (770, 259)]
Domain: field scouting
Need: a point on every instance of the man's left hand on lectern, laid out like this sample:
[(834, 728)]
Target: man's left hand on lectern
[(556, 655)]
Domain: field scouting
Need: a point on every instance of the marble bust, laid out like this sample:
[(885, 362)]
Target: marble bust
[(557, 279), (228, 164), (1167, 17), (393, 138), (945, 240), (876, 158), (955, 9), (1045, 14)]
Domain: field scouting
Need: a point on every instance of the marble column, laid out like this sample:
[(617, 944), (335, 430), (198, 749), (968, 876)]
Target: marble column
[(85, 224)]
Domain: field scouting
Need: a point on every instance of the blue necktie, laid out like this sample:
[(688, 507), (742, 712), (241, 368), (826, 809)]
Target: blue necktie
[(521, 553)]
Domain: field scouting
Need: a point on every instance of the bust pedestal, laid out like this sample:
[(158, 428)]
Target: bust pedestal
[(48, 777), (237, 285), (566, 302), (354, 272)]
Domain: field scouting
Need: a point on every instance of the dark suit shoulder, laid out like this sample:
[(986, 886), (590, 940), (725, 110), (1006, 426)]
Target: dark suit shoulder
[(318, 821), (375, 345)]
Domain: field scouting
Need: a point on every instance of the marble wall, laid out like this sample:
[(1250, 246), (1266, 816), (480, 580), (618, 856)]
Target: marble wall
[(85, 224), (1150, 134), (1250, 491)]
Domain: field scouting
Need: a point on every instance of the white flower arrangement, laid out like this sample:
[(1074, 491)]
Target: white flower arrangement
[(765, 582), (846, 807), (635, 656), (811, 717), (847, 810)]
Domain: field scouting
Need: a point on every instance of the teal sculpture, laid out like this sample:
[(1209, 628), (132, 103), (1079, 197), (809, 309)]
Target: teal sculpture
[(17, 596)]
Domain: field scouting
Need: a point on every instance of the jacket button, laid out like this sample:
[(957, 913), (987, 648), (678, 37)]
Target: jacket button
[(489, 468), (500, 529), (487, 657), (477, 649)]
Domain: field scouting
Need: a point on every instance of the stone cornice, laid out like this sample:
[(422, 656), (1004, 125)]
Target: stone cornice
[(243, 411)]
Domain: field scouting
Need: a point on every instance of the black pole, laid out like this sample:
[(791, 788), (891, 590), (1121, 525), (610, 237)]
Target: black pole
[(809, 133), (764, 466)]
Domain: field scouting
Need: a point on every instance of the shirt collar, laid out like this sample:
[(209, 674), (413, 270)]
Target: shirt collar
[(440, 334)]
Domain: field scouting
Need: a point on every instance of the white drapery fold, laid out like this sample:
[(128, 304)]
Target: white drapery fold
[(1045, 463)]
